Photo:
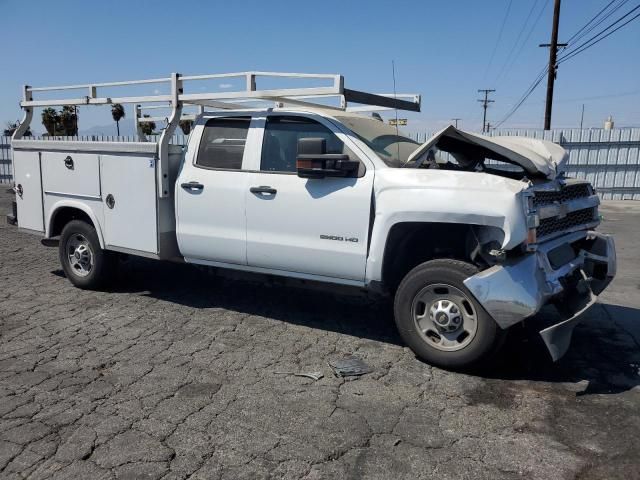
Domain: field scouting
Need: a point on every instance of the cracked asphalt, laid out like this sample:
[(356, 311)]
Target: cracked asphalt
[(171, 374)]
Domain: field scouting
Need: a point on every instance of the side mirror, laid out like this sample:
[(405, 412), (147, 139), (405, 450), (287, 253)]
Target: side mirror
[(313, 161)]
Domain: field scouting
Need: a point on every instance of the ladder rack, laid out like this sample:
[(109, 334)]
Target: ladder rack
[(234, 99), (224, 99)]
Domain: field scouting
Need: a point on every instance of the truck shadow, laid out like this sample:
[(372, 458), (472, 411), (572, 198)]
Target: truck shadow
[(344, 310), (604, 354)]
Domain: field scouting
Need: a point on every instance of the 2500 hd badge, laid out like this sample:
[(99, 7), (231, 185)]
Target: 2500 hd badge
[(339, 238)]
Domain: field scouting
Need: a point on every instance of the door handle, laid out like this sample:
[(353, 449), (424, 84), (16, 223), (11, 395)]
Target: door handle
[(263, 189), (192, 186)]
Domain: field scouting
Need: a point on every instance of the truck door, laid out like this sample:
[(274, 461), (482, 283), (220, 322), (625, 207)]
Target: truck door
[(311, 226), (210, 193)]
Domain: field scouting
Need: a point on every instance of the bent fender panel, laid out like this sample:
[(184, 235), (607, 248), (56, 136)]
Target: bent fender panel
[(434, 196)]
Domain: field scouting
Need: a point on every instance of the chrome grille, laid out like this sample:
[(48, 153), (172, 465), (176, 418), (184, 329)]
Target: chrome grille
[(568, 192), (563, 207), (552, 225)]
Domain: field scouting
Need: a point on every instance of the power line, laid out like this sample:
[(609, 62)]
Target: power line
[(577, 50), (524, 96), (522, 45), (513, 47), (599, 22), (589, 22), (592, 41), (573, 54), (504, 21)]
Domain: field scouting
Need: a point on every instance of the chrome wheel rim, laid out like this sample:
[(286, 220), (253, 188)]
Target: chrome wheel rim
[(80, 255), (445, 317)]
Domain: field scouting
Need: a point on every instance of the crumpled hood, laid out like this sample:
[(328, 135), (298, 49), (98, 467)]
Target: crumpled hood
[(536, 157)]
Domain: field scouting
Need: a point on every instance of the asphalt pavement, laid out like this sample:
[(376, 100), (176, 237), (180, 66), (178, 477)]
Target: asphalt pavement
[(174, 373)]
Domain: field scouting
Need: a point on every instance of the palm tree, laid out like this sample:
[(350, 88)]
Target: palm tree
[(50, 120), (69, 120), (186, 126), (12, 127), (147, 127), (117, 112)]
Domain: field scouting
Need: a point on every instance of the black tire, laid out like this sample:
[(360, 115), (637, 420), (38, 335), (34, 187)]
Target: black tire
[(102, 262), (487, 337)]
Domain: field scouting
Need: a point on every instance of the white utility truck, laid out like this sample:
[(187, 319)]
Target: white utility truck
[(471, 234)]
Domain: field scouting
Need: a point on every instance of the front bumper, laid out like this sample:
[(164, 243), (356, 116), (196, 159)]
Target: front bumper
[(519, 288)]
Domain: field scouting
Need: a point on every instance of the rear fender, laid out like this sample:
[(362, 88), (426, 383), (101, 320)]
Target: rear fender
[(70, 203)]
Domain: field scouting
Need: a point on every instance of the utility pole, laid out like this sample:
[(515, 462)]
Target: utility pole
[(456, 120), (485, 103), (553, 67), (582, 116)]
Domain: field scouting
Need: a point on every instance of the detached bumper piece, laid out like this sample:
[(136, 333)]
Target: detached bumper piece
[(569, 272)]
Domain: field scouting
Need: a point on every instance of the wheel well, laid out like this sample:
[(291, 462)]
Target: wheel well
[(64, 215), (411, 243)]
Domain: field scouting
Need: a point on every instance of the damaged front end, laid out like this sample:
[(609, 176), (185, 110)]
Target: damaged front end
[(564, 263)]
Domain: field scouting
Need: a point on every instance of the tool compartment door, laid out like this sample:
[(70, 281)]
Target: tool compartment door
[(28, 180), (128, 184), (71, 174)]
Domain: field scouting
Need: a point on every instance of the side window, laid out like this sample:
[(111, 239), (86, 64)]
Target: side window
[(280, 144), (222, 144)]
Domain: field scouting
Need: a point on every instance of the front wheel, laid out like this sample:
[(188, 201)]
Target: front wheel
[(440, 320), (84, 262)]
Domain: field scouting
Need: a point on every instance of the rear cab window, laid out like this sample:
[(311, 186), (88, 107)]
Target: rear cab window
[(223, 143)]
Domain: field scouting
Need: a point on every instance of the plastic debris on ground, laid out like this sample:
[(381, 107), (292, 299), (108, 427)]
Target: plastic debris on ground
[(312, 375), (349, 367)]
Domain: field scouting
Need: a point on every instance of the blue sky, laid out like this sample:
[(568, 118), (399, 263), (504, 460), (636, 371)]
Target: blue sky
[(442, 50)]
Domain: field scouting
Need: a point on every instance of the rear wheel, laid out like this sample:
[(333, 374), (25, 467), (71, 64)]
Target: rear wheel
[(440, 320), (84, 262)]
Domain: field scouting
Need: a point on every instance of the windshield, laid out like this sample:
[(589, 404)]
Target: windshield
[(393, 149)]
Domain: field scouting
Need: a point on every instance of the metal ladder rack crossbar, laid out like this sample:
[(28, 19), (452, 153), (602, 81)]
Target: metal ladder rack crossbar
[(409, 102), (298, 100), (233, 99)]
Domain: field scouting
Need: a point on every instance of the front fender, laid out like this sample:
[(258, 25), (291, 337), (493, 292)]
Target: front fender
[(437, 196)]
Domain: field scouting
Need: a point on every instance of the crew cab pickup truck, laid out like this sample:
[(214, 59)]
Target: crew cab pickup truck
[(470, 234)]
